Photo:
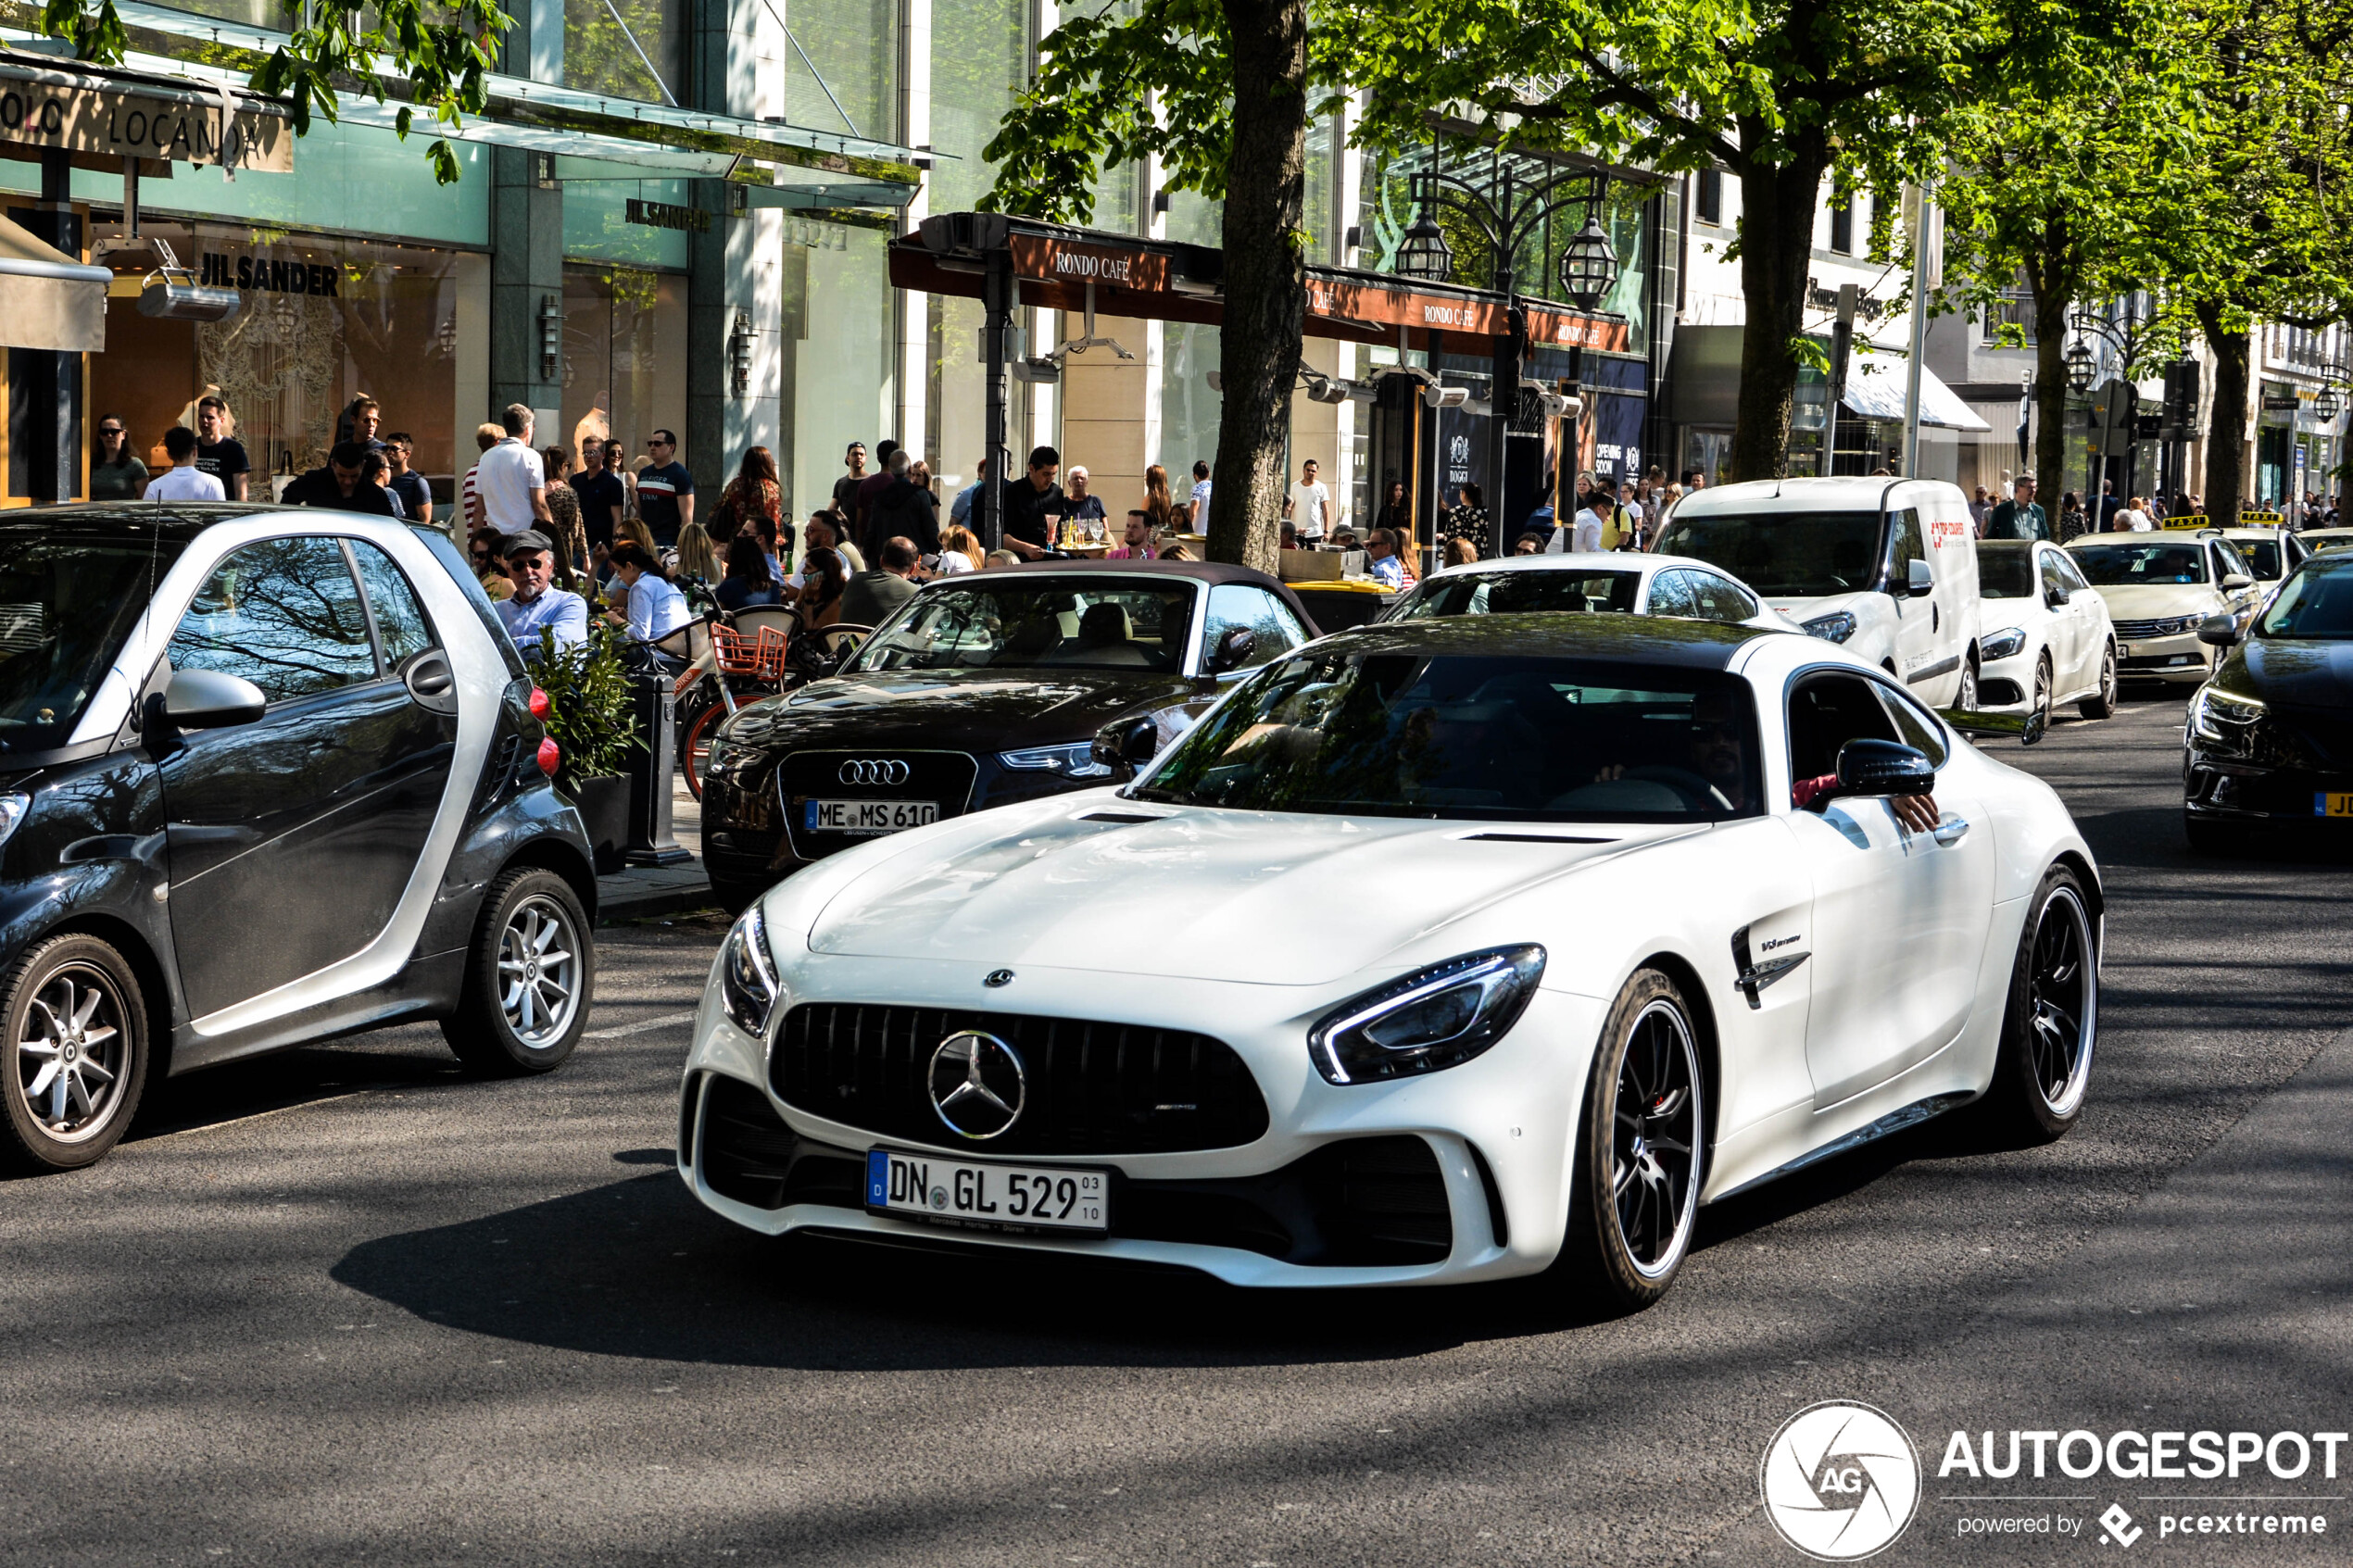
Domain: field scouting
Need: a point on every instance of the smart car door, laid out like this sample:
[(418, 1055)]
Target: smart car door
[(1899, 916)]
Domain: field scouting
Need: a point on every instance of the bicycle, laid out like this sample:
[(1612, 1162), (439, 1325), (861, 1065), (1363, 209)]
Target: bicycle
[(758, 653)]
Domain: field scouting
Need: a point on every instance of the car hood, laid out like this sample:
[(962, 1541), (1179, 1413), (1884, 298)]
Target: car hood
[(2159, 601), (1260, 898), (1006, 709), (2293, 673)]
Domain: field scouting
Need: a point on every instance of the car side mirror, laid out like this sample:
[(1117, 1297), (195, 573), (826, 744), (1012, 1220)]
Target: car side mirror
[(1919, 579), (1235, 645), (1884, 767), (2236, 580), (1126, 742), (2057, 594), (2025, 728), (206, 700), (2219, 630)]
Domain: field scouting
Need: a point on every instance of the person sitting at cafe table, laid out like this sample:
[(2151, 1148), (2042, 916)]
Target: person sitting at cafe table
[(1381, 559), (537, 604), (873, 593), (1141, 542)]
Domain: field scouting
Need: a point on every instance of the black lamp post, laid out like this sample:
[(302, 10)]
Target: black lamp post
[(1506, 212)]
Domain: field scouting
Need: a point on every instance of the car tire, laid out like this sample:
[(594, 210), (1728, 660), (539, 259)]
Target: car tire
[(2042, 1069), (1635, 1194), (1965, 699), (529, 976), (78, 1053), (2041, 703), (2101, 704)]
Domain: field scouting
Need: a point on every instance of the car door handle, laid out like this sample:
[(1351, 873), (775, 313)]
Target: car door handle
[(1952, 829)]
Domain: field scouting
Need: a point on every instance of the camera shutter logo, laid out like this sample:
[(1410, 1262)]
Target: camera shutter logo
[(872, 770), (1841, 1481)]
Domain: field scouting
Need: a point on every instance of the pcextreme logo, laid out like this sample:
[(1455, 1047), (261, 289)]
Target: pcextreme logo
[(1841, 1480)]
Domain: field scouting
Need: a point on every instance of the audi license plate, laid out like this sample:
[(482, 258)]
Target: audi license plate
[(924, 1186), (867, 816)]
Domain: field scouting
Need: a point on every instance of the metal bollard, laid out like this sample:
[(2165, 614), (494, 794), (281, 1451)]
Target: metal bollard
[(650, 843)]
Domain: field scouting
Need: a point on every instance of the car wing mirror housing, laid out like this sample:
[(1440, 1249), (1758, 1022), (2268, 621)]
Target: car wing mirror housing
[(2236, 580), (1235, 645), (1126, 742), (208, 699), (1884, 767), (2024, 728), (2057, 594), (2219, 630), (1919, 579)]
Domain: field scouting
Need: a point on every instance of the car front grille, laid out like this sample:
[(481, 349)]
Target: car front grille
[(2171, 626), (945, 778), (1091, 1087), (1364, 1202), (2327, 736)]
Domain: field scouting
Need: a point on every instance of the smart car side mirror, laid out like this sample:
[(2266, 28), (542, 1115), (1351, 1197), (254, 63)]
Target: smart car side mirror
[(1884, 767), (2236, 580), (206, 700), (1233, 650), (1919, 579), (1126, 742), (2219, 630)]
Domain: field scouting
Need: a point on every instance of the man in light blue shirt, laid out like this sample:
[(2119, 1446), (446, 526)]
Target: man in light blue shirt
[(960, 511), (538, 605)]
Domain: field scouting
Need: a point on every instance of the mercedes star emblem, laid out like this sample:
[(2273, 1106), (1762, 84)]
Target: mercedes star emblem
[(977, 1085), (872, 770), (997, 977)]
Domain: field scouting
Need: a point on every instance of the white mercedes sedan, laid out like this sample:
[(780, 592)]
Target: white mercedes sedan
[(1448, 950)]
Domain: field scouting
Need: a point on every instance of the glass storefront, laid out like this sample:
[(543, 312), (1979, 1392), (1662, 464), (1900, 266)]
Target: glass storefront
[(625, 372), (853, 47), (835, 366), (323, 320)]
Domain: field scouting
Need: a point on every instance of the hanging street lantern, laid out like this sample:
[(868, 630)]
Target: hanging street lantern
[(1424, 254), (1589, 267), (2325, 405), (2078, 367)]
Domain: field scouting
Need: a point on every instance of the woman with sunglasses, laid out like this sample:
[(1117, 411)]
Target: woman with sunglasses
[(115, 473), (488, 569)]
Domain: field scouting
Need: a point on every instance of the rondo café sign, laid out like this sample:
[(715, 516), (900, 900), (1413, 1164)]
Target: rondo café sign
[(127, 122)]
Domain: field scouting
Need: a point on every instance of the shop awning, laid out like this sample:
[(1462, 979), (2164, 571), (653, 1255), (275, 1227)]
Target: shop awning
[(48, 299), (1875, 391)]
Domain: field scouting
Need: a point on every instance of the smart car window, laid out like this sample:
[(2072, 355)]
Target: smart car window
[(1800, 555), (1481, 737), (1031, 622), (1825, 712), (2128, 566), (283, 614), (69, 597), (1524, 592), (1277, 631), (401, 623), (2005, 570)]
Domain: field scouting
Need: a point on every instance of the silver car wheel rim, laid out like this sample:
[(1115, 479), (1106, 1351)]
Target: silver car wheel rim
[(72, 1052), (1654, 1163), (538, 971), (2062, 1002)]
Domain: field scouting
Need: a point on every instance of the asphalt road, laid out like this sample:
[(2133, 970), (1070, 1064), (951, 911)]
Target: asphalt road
[(347, 1306)]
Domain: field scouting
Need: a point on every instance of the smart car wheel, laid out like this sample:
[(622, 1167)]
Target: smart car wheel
[(76, 1032), (2048, 1029), (528, 978), (2101, 704), (1642, 1148)]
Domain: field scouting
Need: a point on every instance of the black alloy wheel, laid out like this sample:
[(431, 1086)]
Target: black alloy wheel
[(2043, 1066), (77, 1037), (2102, 703), (1641, 1154)]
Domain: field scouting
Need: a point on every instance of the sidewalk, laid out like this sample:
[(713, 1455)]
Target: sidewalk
[(644, 892)]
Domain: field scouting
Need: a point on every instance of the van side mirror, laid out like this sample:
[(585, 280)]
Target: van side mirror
[(206, 700), (2219, 630), (1126, 742), (1919, 579)]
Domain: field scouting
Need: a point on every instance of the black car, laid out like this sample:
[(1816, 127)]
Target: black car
[(984, 689), (268, 775), (2269, 743)]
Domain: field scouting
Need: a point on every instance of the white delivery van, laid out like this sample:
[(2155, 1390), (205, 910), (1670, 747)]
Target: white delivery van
[(1885, 568)]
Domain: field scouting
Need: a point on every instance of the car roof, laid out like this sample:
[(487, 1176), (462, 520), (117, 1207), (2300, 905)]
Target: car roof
[(1578, 561), (1212, 572), (179, 520), (1633, 639), (1841, 494)]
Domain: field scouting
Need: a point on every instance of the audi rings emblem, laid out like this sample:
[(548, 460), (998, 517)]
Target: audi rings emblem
[(977, 1085), (873, 770)]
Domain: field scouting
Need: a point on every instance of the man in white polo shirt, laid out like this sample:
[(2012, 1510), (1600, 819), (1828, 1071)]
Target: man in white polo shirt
[(1310, 506), (511, 480)]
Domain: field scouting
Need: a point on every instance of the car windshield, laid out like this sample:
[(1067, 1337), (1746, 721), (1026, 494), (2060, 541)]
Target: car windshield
[(2130, 566), (69, 597), (1507, 593), (2006, 571), (2262, 556), (1496, 738), (1785, 555), (1025, 621), (2317, 602)]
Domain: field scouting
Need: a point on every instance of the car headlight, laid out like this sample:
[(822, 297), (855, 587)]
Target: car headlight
[(1070, 761), (2001, 645), (1835, 627), (1435, 1018), (748, 985), (13, 809), (2174, 626), (2225, 720)]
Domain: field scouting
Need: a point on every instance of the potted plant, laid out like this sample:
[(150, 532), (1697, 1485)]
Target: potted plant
[(591, 719)]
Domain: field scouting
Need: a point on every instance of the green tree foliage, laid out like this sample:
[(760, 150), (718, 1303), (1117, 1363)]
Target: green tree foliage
[(439, 53), (591, 715)]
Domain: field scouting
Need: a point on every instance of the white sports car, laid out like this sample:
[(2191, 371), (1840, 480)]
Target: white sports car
[(1447, 949)]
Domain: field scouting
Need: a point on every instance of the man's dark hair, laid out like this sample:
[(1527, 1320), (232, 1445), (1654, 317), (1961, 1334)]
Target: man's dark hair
[(898, 554), (883, 449), (1044, 457), (370, 465), (179, 442), (1385, 535), (667, 437), (1201, 468), (401, 438), (210, 401), (514, 419), (349, 454)]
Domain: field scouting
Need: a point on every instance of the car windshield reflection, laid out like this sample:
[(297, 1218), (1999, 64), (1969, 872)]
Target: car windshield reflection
[(1511, 593), (2317, 603), (1797, 554), (1028, 624), (2133, 566), (67, 599)]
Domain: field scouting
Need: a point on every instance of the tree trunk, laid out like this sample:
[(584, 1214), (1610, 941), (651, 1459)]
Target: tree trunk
[(2226, 426), (1266, 277), (1778, 205), (2051, 302)]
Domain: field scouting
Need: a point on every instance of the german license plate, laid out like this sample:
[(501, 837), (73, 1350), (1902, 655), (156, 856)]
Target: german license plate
[(924, 1186), (867, 816), (2333, 805), (2123, 650)]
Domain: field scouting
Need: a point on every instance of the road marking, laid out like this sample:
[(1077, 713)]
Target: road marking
[(640, 1027), (280, 1111)]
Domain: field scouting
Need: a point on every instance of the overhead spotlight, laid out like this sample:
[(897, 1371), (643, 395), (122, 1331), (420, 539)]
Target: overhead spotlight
[(1323, 389), (1044, 372), (1444, 397)]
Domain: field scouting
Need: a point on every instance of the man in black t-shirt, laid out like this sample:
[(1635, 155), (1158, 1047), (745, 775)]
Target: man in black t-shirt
[(416, 496), (846, 488), (343, 483), (665, 491), (1035, 505), (218, 455), (602, 496)]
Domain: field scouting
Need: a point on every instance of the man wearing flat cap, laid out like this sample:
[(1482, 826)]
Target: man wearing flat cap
[(537, 603)]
